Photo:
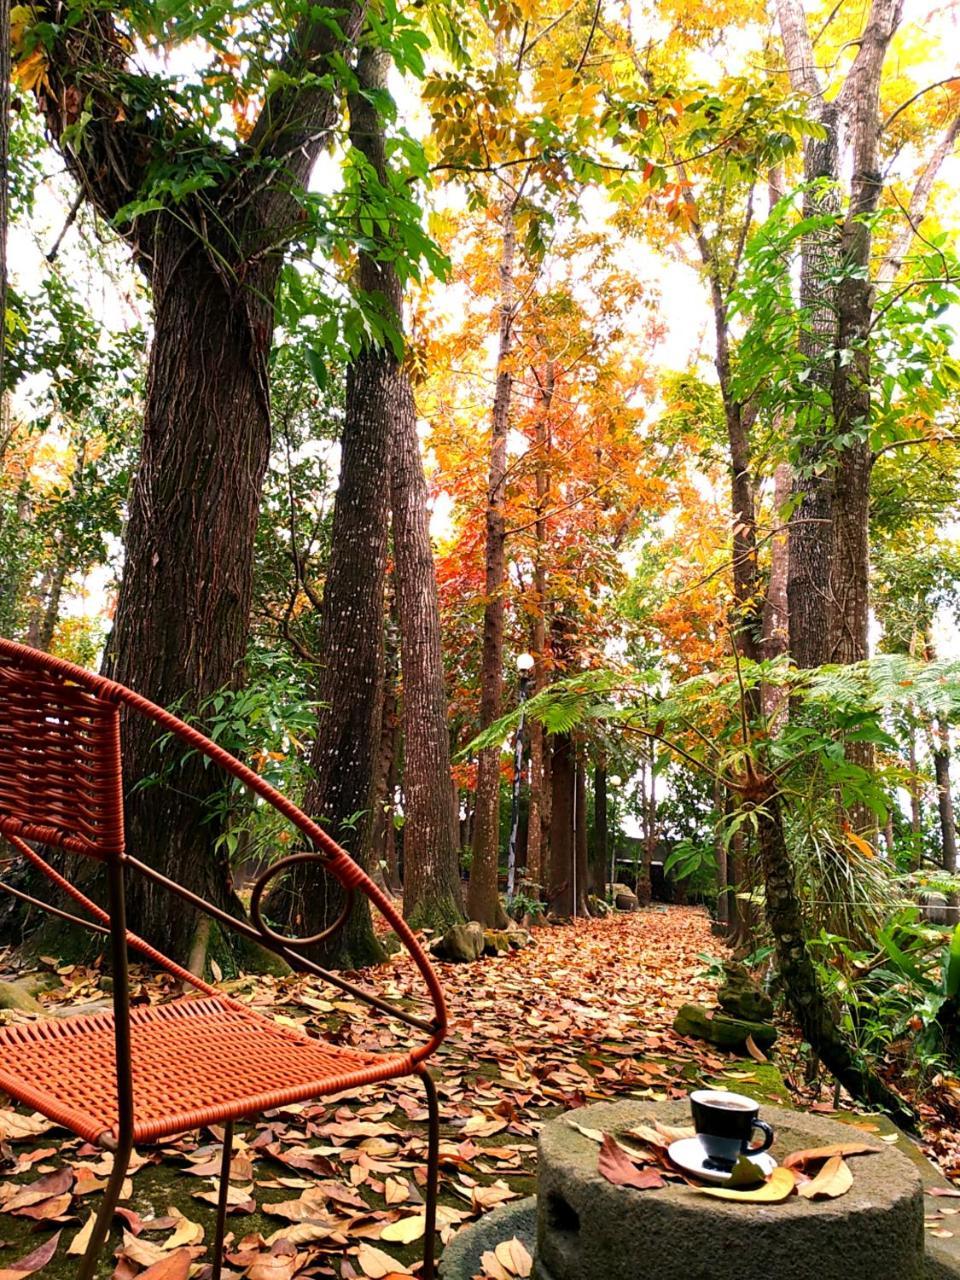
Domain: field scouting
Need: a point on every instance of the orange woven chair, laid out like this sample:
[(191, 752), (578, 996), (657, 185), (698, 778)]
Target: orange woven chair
[(137, 1075)]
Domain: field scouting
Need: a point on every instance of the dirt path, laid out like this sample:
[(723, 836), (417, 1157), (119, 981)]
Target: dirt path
[(584, 1014)]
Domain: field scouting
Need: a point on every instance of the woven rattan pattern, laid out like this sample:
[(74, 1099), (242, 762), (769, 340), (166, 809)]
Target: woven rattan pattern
[(60, 774), (195, 1062)]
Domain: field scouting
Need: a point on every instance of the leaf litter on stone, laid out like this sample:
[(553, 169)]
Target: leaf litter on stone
[(616, 1166)]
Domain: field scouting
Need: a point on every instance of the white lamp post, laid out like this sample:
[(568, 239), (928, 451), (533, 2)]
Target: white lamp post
[(613, 782)]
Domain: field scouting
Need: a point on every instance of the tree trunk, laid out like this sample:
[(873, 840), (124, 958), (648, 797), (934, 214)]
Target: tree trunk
[(724, 895), (798, 974), (916, 812), (4, 174), (180, 631), (601, 856), (582, 863), (431, 879), (181, 625), (776, 633), (382, 841), (811, 546), (561, 864), (538, 821), (483, 901), (948, 826), (351, 622)]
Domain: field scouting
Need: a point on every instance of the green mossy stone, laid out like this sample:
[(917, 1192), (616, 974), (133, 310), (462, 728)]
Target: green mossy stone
[(725, 1033), (16, 995)]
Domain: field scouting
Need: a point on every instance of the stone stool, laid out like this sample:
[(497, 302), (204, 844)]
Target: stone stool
[(582, 1227)]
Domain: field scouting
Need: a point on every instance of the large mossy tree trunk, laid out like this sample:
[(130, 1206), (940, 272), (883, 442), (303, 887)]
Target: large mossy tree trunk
[(181, 626), (180, 630)]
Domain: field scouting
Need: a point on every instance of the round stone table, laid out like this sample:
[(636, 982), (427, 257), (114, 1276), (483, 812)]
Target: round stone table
[(582, 1227)]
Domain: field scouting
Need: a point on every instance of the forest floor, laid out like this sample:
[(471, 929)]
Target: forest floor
[(334, 1188)]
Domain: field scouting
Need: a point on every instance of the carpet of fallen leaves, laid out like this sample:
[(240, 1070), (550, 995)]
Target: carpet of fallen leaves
[(334, 1188)]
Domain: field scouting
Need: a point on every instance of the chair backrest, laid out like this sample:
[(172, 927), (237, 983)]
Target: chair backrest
[(60, 771)]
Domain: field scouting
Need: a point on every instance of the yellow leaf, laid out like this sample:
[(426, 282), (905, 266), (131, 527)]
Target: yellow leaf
[(404, 1230), (834, 1179), (860, 844), (378, 1265), (78, 1245), (514, 1257), (31, 71), (779, 1187)]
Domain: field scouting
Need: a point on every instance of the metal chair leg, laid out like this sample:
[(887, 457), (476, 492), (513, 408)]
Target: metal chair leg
[(101, 1228), (433, 1175), (222, 1200)]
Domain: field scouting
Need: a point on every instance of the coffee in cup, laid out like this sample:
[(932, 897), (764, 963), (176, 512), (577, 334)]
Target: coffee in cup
[(725, 1123)]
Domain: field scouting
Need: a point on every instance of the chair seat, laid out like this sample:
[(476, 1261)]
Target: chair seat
[(195, 1062)]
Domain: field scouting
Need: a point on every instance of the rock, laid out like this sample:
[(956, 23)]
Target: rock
[(496, 942), (15, 995), (724, 1032), (590, 1229), (936, 908), (741, 997), (463, 1257), (462, 944), (519, 938), (624, 899), (597, 906)]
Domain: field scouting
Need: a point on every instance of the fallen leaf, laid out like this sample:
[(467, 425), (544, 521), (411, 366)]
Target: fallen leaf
[(176, 1266), (754, 1050), (14, 1127), (378, 1265), (186, 1232), (51, 1184), (33, 1261), (514, 1257), (834, 1179), (814, 1155), (78, 1245), (493, 1268), (953, 1192), (595, 1135), (617, 1167), (404, 1230), (778, 1187)]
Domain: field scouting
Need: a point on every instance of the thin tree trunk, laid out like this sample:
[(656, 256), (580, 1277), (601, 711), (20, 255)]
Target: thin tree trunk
[(601, 856), (798, 974), (538, 822), (916, 811), (582, 862), (948, 826), (483, 901), (385, 769), (561, 865), (4, 172), (724, 911), (51, 613), (776, 631), (340, 790), (431, 880)]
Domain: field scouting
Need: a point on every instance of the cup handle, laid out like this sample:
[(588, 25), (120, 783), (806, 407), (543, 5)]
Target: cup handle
[(767, 1138)]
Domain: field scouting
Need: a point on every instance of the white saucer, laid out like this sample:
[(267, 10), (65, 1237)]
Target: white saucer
[(689, 1155)]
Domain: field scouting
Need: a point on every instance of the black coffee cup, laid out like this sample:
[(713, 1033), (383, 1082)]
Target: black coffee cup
[(725, 1123)]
